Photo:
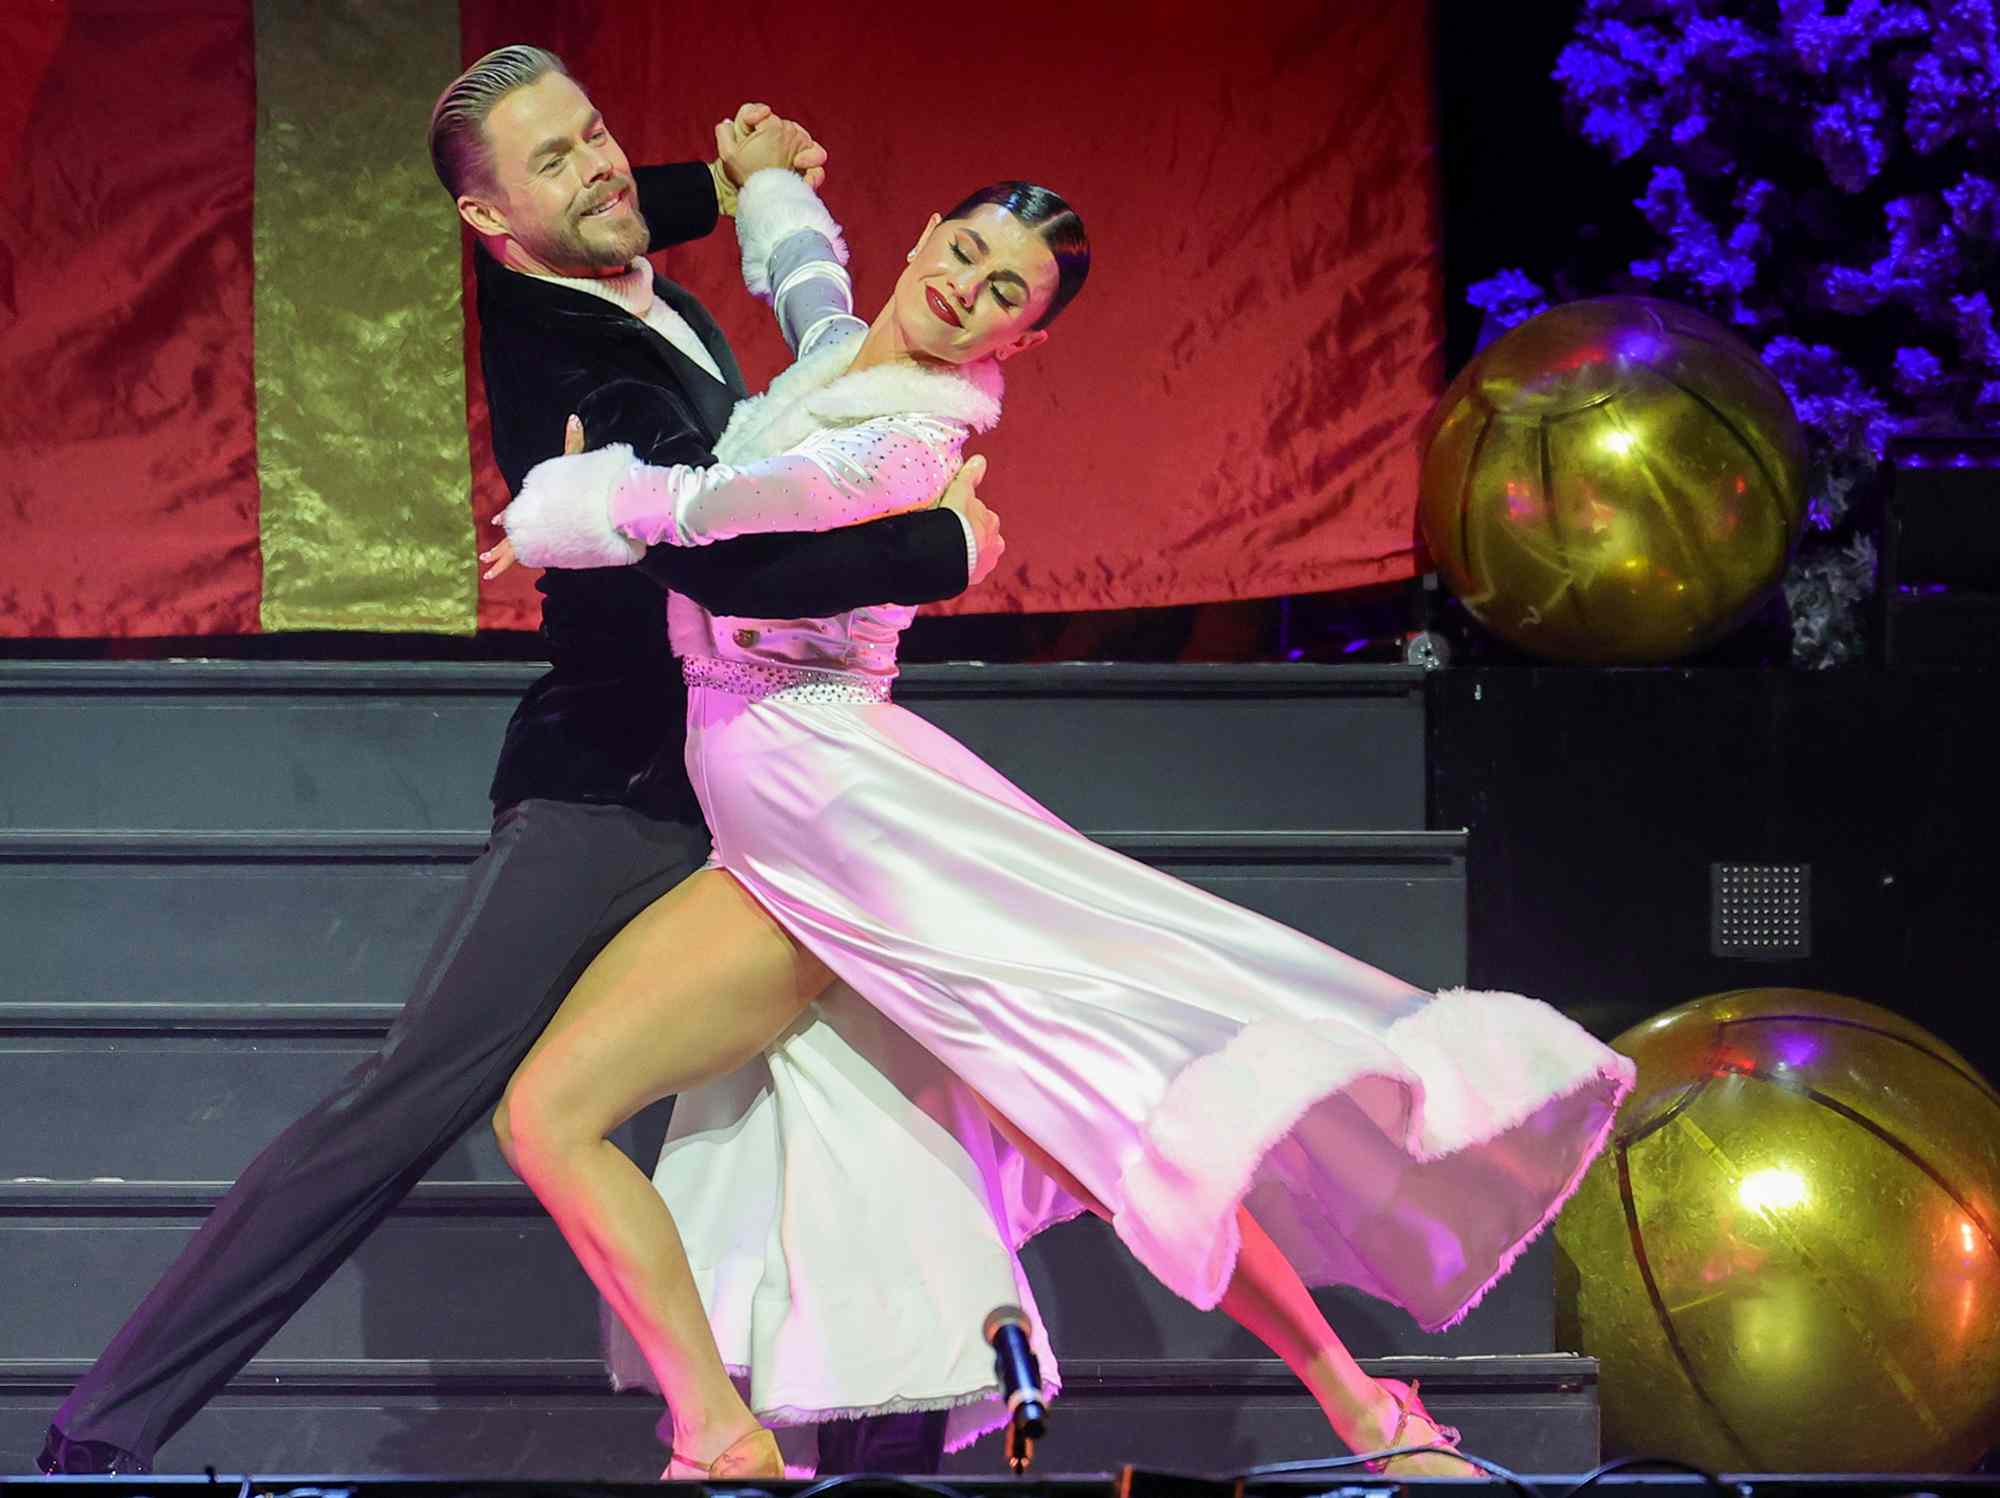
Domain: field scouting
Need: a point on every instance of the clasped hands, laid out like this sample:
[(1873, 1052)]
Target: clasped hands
[(755, 138)]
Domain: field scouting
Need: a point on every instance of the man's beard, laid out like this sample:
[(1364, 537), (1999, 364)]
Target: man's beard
[(611, 246)]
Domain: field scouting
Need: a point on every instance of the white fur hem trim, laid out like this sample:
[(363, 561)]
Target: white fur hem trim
[(1192, 1176), (975, 1413), (774, 205), (819, 391), (562, 516), (970, 1423), (966, 393)]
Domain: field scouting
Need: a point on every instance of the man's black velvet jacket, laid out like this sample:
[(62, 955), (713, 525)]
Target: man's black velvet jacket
[(608, 722)]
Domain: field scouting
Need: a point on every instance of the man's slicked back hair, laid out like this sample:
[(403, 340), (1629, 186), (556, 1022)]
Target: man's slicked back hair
[(460, 152)]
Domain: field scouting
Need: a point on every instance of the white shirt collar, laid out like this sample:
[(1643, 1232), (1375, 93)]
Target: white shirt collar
[(631, 288)]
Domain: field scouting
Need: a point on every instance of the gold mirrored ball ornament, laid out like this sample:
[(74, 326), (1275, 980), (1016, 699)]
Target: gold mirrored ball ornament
[(1786, 1258), (1617, 481)]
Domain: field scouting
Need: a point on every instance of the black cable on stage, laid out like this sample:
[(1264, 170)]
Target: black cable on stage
[(246, 1487), (879, 1482), (1513, 1479), (1672, 1464)]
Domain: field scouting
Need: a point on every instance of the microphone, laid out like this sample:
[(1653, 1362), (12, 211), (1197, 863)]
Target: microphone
[(1014, 1363)]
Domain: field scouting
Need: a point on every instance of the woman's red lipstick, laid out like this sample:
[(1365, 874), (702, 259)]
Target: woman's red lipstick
[(941, 307)]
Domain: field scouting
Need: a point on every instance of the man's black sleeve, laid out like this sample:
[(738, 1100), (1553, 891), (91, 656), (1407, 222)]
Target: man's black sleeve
[(677, 201), (918, 558)]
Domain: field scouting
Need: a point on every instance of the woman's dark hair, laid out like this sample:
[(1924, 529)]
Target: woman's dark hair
[(1048, 215)]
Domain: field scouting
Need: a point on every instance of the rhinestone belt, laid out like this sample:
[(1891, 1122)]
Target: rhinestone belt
[(761, 681)]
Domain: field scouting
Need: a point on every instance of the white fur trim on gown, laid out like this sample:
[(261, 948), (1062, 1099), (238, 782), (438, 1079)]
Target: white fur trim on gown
[(1178, 1054)]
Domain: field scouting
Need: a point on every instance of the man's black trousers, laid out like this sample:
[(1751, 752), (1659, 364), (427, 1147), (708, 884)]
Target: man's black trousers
[(556, 882)]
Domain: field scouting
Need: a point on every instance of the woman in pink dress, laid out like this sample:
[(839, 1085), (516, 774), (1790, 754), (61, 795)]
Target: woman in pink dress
[(897, 956)]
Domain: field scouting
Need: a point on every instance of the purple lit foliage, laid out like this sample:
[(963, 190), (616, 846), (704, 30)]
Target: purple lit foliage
[(1508, 298), (1819, 177)]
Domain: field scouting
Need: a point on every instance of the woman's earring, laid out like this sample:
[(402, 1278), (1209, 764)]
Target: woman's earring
[(911, 257)]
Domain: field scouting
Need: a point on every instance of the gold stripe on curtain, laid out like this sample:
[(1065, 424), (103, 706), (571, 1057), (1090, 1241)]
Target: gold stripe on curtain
[(361, 438)]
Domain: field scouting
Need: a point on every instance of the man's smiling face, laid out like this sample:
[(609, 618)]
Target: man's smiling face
[(560, 187)]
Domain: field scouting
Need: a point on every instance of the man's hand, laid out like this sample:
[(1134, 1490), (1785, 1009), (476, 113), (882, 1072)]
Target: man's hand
[(756, 138), (962, 496)]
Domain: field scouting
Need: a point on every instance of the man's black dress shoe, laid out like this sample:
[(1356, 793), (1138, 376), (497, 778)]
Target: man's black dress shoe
[(62, 1457)]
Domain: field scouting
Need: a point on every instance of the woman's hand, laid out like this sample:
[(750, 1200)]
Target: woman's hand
[(502, 556), (961, 495), (757, 138)]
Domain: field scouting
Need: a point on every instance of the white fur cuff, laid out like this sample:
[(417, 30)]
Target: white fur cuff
[(562, 516), (774, 205)]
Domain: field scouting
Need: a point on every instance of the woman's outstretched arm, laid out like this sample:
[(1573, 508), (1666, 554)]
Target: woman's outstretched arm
[(603, 508)]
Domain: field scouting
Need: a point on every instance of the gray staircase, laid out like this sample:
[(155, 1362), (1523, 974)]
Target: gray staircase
[(216, 880), (238, 747)]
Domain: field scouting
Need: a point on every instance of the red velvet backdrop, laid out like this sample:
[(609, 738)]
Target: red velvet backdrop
[(129, 419), (1229, 409)]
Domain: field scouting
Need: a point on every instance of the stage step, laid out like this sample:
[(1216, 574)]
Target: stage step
[(285, 919), (82, 1253), (225, 745), (555, 1420)]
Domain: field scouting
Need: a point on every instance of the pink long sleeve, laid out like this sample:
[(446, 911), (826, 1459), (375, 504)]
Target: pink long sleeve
[(837, 477)]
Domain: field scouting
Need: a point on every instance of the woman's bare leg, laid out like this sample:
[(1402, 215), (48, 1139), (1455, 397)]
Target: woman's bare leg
[(1266, 1297), (694, 987)]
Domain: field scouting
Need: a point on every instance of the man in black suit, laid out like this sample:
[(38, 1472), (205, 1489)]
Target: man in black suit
[(594, 817)]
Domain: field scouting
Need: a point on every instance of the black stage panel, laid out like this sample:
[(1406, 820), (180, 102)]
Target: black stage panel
[(1598, 802)]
